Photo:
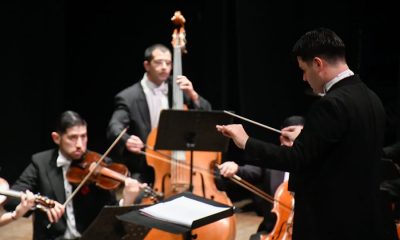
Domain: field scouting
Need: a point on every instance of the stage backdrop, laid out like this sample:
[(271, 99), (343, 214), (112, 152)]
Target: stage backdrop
[(60, 55)]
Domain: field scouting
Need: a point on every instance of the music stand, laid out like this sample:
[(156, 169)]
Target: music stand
[(192, 130), (136, 217), (106, 225)]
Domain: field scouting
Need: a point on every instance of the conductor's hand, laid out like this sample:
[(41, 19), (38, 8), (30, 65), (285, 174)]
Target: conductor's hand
[(55, 213), (289, 134), (228, 169), (134, 144), (131, 190), (236, 132)]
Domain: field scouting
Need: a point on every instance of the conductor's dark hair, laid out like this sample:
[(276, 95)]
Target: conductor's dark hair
[(67, 120), (321, 42), (148, 53)]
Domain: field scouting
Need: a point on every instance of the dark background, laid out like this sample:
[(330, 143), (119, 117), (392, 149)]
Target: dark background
[(59, 55)]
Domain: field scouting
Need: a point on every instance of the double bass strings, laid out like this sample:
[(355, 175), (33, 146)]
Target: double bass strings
[(236, 179)]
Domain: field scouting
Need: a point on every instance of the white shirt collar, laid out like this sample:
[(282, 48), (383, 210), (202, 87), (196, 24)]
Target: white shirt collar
[(340, 76), (150, 86), (62, 160)]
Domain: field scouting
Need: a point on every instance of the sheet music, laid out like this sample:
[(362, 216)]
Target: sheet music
[(182, 211)]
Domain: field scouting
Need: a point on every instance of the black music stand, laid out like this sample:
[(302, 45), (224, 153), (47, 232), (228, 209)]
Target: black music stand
[(136, 217), (192, 130), (106, 225)]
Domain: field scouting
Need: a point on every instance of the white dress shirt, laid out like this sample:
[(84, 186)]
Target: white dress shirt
[(71, 232), (157, 98)]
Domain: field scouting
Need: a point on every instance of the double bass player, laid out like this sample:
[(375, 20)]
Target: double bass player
[(138, 107)]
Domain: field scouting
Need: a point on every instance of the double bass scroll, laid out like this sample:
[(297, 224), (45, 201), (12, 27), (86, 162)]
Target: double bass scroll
[(171, 178)]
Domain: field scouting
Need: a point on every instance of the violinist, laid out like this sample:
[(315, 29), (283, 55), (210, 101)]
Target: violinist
[(334, 160), (27, 202), (138, 107), (261, 176), (46, 174)]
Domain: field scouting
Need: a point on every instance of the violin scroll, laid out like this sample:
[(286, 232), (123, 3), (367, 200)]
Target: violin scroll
[(41, 202), (154, 196)]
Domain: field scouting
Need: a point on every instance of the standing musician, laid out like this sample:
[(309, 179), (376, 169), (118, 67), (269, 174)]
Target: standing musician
[(138, 107), (253, 174), (47, 173), (334, 161)]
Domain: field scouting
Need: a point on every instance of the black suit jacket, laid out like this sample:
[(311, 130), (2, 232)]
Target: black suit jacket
[(44, 177), (131, 110), (333, 165)]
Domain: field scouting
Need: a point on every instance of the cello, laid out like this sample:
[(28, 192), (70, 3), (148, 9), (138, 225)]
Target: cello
[(283, 207), (284, 210), (171, 178)]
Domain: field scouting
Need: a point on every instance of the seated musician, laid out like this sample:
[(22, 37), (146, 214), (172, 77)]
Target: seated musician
[(46, 174), (390, 186), (257, 175), (27, 203)]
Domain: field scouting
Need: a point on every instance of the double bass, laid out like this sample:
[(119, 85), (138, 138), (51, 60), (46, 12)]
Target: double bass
[(172, 177)]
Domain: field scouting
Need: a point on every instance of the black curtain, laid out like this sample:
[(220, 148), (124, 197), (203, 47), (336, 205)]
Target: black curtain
[(77, 55)]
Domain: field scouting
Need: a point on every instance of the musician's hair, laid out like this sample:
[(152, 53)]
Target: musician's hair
[(148, 53), (69, 119)]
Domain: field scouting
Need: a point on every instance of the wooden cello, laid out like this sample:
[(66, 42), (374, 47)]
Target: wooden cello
[(284, 210), (171, 178), (283, 207)]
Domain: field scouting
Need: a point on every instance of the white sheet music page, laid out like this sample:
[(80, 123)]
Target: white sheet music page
[(182, 211)]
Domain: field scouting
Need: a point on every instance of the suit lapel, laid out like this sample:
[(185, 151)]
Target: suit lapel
[(56, 179), (143, 109)]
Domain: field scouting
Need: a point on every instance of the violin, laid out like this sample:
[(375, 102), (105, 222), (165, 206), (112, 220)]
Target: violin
[(41, 202), (105, 176)]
